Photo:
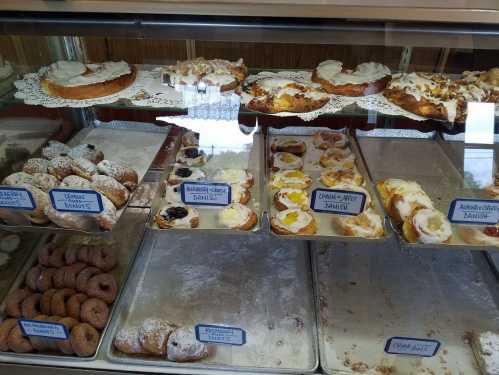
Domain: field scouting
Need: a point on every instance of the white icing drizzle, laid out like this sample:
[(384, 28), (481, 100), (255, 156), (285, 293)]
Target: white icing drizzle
[(302, 220), (234, 215), (431, 226), (282, 86), (331, 70)]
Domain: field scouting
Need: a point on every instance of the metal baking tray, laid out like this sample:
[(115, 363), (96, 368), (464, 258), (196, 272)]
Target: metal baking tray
[(136, 148), (128, 236), (366, 297), (400, 155), (312, 167), (257, 283), (247, 156)]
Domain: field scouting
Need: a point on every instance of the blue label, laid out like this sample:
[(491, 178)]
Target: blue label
[(205, 193), (52, 330), (72, 200), (474, 211), (338, 202), (220, 334), (412, 346), (16, 198)]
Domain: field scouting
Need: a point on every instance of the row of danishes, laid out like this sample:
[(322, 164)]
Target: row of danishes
[(427, 94)]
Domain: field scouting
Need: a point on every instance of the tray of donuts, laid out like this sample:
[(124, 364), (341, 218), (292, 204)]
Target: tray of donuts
[(62, 301), (423, 193), (229, 182), (318, 186), (104, 163)]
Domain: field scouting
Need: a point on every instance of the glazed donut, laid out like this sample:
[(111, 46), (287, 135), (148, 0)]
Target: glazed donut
[(122, 173), (71, 255), (35, 165), (73, 307), (65, 345), (58, 278), (56, 258), (83, 254), (94, 312), (32, 277), (44, 254), (103, 257), (5, 327), (44, 281), (60, 167), (153, 335), (30, 307), (84, 168), (103, 286), (59, 299), (14, 300), (84, 339), (39, 343), (70, 274), (112, 189), (127, 341), (84, 276), (46, 301), (17, 342)]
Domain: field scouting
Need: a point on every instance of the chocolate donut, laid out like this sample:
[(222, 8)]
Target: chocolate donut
[(103, 257), (103, 286), (84, 340), (95, 312), (17, 342), (44, 281), (56, 258), (46, 301), (32, 277), (59, 299), (65, 345), (73, 307), (30, 307), (84, 276), (5, 327), (70, 274), (71, 255), (14, 300)]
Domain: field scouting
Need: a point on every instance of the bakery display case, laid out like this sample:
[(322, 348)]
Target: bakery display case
[(249, 187)]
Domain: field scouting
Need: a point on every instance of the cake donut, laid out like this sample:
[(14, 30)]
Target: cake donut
[(30, 306), (5, 327), (32, 276), (127, 341), (60, 167), (17, 179), (287, 198), (153, 335), (103, 257), (366, 79), (83, 253), (14, 300), (182, 346), (45, 279), (103, 286), (83, 167), (293, 221), (293, 146), (17, 342), (337, 157), (368, 224), (70, 273), (73, 306), (120, 172), (65, 345), (76, 182), (56, 258), (84, 276), (336, 175), (54, 149), (84, 339), (58, 278), (112, 189), (36, 165), (285, 161), (71, 255), (180, 174), (86, 151), (237, 216), (235, 176), (427, 226), (46, 301), (329, 139), (94, 312), (293, 179), (59, 300), (191, 156), (177, 216), (45, 181)]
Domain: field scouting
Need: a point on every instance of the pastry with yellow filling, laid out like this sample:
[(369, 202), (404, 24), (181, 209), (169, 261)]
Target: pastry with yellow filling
[(337, 157), (290, 179), (239, 194), (293, 146), (368, 224), (237, 216), (333, 176), (427, 226), (293, 221), (291, 198), (285, 160)]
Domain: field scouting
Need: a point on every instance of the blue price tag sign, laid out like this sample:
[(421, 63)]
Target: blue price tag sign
[(205, 193), (72, 200), (51, 330), (338, 202), (412, 346), (16, 198), (220, 334), (474, 211)]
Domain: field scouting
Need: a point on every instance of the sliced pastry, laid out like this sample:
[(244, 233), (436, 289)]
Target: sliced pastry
[(234, 176), (290, 179), (336, 175), (329, 139), (180, 174), (237, 216), (293, 146), (177, 216), (427, 226), (337, 157), (291, 198), (191, 156), (368, 224), (293, 221), (366, 79), (285, 161), (480, 235)]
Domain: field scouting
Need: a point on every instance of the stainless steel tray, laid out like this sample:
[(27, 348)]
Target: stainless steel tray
[(312, 167), (240, 157), (424, 161), (257, 283), (366, 297), (128, 235), (136, 148)]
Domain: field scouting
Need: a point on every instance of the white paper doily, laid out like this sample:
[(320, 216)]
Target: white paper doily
[(30, 91)]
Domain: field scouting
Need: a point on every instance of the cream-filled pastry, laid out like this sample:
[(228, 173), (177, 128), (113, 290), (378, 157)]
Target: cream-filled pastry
[(237, 216), (181, 174), (177, 216), (234, 176), (427, 226), (291, 198), (285, 160), (368, 224), (290, 179), (337, 157), (293, 221)]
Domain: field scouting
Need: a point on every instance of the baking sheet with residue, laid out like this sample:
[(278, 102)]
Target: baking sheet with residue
[(368, 295), (256, 283)]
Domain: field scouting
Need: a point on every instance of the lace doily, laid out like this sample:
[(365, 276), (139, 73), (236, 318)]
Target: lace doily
[(30, 91)]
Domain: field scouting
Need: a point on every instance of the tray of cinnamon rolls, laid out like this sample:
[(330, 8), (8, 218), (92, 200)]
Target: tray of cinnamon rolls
[(318, 186), (418, 182), (210, 188), (62, 301), (107, 162)]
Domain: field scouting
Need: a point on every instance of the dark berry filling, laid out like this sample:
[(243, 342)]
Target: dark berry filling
[(491, 231), (91, 147), (173, 213), (183, 172), (192, 153)]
